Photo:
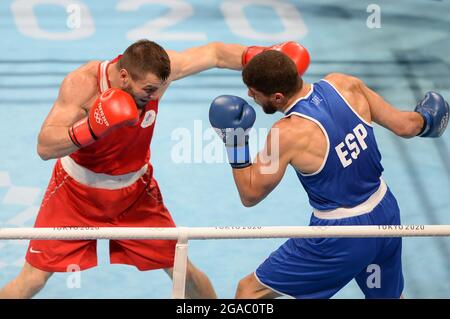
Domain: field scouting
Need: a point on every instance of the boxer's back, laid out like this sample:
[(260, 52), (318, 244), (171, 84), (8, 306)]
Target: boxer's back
[(349, 169)]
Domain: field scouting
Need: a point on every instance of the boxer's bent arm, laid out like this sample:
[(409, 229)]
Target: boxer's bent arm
[(211, 55), (53, 139), (256, 181), (403, 123)]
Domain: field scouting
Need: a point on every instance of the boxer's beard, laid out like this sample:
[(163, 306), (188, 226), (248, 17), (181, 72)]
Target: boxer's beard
[(140, 104), (269, 108)]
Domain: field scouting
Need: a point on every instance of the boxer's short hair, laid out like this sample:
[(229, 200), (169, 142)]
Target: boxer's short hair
[(144, 57), (272, 72)]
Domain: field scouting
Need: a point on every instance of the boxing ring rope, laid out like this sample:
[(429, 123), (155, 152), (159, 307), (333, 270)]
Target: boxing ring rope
[(184, 234)]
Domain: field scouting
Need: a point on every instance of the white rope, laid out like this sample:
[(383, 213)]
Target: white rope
[(184, 234), (231, 232)]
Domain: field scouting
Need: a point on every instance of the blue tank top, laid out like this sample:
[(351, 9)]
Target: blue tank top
[(352, 168)]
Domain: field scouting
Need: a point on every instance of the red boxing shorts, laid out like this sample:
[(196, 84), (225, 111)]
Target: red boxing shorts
[(69, 203)]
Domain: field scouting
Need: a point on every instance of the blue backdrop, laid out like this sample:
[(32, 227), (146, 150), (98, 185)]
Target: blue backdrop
[(42, 40)]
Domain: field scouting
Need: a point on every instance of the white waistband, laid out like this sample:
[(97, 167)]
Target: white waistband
[(99, 180), (361, 209)]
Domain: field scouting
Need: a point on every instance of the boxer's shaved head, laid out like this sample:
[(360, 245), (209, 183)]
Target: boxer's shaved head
[(143, 57), (271, 72), (144, 69)]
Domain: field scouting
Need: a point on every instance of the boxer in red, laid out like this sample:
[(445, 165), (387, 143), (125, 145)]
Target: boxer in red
[(99, 130)]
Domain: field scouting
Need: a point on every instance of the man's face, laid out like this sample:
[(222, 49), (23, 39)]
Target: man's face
[(148, 88), (265, 101)]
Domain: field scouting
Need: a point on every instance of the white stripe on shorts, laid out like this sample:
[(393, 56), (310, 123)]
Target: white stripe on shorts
[(99, 180), (361, 209)]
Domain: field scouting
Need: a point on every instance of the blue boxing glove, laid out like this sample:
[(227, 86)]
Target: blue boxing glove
[(232, 118), (435, 112)]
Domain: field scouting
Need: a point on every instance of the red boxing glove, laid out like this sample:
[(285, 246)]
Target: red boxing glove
[(114, 108), (295, 51)]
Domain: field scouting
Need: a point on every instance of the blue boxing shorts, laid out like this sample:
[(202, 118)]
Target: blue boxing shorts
[(319, 267)]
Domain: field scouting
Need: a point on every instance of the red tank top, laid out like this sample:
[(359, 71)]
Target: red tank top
[(126, 149)]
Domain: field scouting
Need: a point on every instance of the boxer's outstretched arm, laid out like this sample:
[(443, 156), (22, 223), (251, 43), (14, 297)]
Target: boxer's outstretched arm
[(53, 139), (211, 55), (406, 124)]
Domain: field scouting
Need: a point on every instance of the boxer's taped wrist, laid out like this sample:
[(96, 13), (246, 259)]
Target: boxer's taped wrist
[(242, 165), (239, 156), (73, 138), (426, 123), (81, 133), (90, 129)]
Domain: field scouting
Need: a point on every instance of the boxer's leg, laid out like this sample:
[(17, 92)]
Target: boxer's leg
[(28, 283)]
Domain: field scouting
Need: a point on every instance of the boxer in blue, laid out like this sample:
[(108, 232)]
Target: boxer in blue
[(327, 136)]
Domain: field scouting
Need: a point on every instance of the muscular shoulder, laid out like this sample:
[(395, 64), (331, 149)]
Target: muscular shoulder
[(79, 86), (343, 81), (85, 76), (351, 88), (294, 132)]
